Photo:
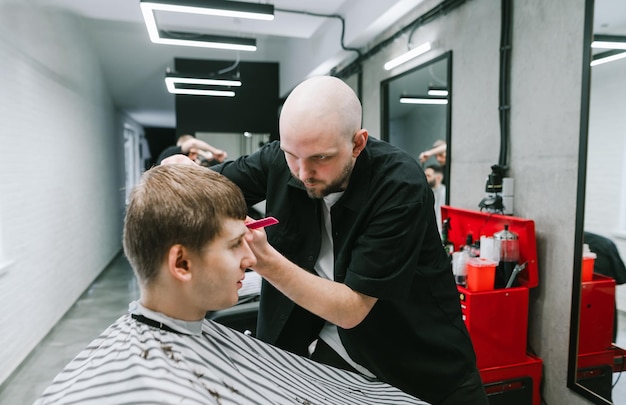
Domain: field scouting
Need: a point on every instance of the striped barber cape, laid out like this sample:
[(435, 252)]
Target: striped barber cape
[(134, 363)]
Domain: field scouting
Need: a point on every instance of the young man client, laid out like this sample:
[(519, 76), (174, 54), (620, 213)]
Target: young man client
[(189, 249)]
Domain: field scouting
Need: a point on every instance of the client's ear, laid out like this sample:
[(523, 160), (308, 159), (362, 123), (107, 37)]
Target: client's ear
[(178, 262)]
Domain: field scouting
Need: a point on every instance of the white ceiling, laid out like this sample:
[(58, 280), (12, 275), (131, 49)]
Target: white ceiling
[(134, 68)]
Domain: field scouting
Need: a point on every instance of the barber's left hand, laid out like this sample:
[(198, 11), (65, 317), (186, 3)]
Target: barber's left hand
[(263, 251)]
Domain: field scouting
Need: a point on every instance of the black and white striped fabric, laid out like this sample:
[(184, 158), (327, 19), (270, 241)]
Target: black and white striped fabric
[(133, 363)]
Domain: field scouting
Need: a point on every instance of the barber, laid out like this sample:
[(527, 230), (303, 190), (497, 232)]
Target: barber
[(355, 274)]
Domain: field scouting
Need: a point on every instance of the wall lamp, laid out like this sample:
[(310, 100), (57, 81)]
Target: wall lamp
[(423, 100), (205, 7), (405, 57), (195, 86)]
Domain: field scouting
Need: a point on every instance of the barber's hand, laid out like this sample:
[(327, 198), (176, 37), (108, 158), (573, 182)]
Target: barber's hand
[(177, 160), (263, 251), (423, 157), (219, 155)]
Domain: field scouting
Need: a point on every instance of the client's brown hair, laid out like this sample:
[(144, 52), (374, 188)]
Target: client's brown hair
[(176, 204)]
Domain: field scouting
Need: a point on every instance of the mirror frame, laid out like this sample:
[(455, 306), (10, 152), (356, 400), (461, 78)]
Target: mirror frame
[(580, 213), (384, 103)]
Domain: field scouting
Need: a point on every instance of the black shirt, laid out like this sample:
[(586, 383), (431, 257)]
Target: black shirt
[(386, 245)]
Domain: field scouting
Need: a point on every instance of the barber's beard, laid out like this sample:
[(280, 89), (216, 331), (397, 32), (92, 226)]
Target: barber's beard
[(338, 184)]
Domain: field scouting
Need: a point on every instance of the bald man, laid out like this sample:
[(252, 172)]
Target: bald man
[(355, 274)]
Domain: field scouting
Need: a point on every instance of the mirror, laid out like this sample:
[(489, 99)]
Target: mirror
[(596, 349), (423, 119)]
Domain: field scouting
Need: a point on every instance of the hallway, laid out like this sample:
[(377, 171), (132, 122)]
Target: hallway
[(96, 309)]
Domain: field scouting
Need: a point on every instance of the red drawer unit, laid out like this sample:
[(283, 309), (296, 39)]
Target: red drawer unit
[(511, 378), (497, 322), (597, 310), (463, 222), (589, 360)]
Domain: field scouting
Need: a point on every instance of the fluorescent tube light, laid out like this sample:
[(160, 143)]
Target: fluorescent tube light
[(423, 100), (606, 57), (203, 41), (441, 92), (171, 82), (197, 7), (220, 8), (609, 42), (405, 57)]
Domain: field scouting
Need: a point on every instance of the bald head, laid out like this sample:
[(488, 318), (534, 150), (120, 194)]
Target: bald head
[(324, 103)]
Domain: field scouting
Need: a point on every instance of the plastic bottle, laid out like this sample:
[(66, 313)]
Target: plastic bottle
[(447, 244), (472, 249), (459, 267)]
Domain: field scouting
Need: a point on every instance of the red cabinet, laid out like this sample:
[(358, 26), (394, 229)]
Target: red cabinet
[(497, 320)]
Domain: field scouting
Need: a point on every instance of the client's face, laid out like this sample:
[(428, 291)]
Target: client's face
[(222, 265)]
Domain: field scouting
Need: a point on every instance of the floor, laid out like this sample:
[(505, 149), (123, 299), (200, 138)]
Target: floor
[(96, 309), (105, 300)]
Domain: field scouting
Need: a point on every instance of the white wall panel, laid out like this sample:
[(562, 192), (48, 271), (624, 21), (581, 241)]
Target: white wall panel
[(60, 175)]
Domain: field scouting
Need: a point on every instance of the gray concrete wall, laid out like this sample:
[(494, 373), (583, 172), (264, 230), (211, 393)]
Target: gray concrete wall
[(546, 78)]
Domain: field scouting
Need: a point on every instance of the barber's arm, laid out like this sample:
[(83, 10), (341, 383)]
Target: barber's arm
[(424, 156), (332, 301), (202, 147)]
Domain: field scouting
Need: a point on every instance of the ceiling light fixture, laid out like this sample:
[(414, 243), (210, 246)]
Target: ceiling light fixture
[(423, 100), (171, 80), (206, 7), (609, 42), (608, 56), (204, 41), (221, 8), (438, 91), (405, 57)]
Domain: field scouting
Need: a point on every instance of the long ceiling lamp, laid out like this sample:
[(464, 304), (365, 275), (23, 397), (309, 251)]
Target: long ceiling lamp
[(205, 7), (405, 57), (609, 42), (204, 41), (437, 91), (616, 45), (608, 56), (221, 8), (423, 100), (197, 86)]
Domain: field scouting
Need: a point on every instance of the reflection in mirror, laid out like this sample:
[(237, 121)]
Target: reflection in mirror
[(416, 117), (601, 225)]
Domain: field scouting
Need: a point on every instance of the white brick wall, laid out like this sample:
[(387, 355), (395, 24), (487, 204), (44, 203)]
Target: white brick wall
[(60, 174)]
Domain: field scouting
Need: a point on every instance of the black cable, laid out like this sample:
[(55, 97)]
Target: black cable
[(505, 78), (343, 25), (231, 67), (442, 8)]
